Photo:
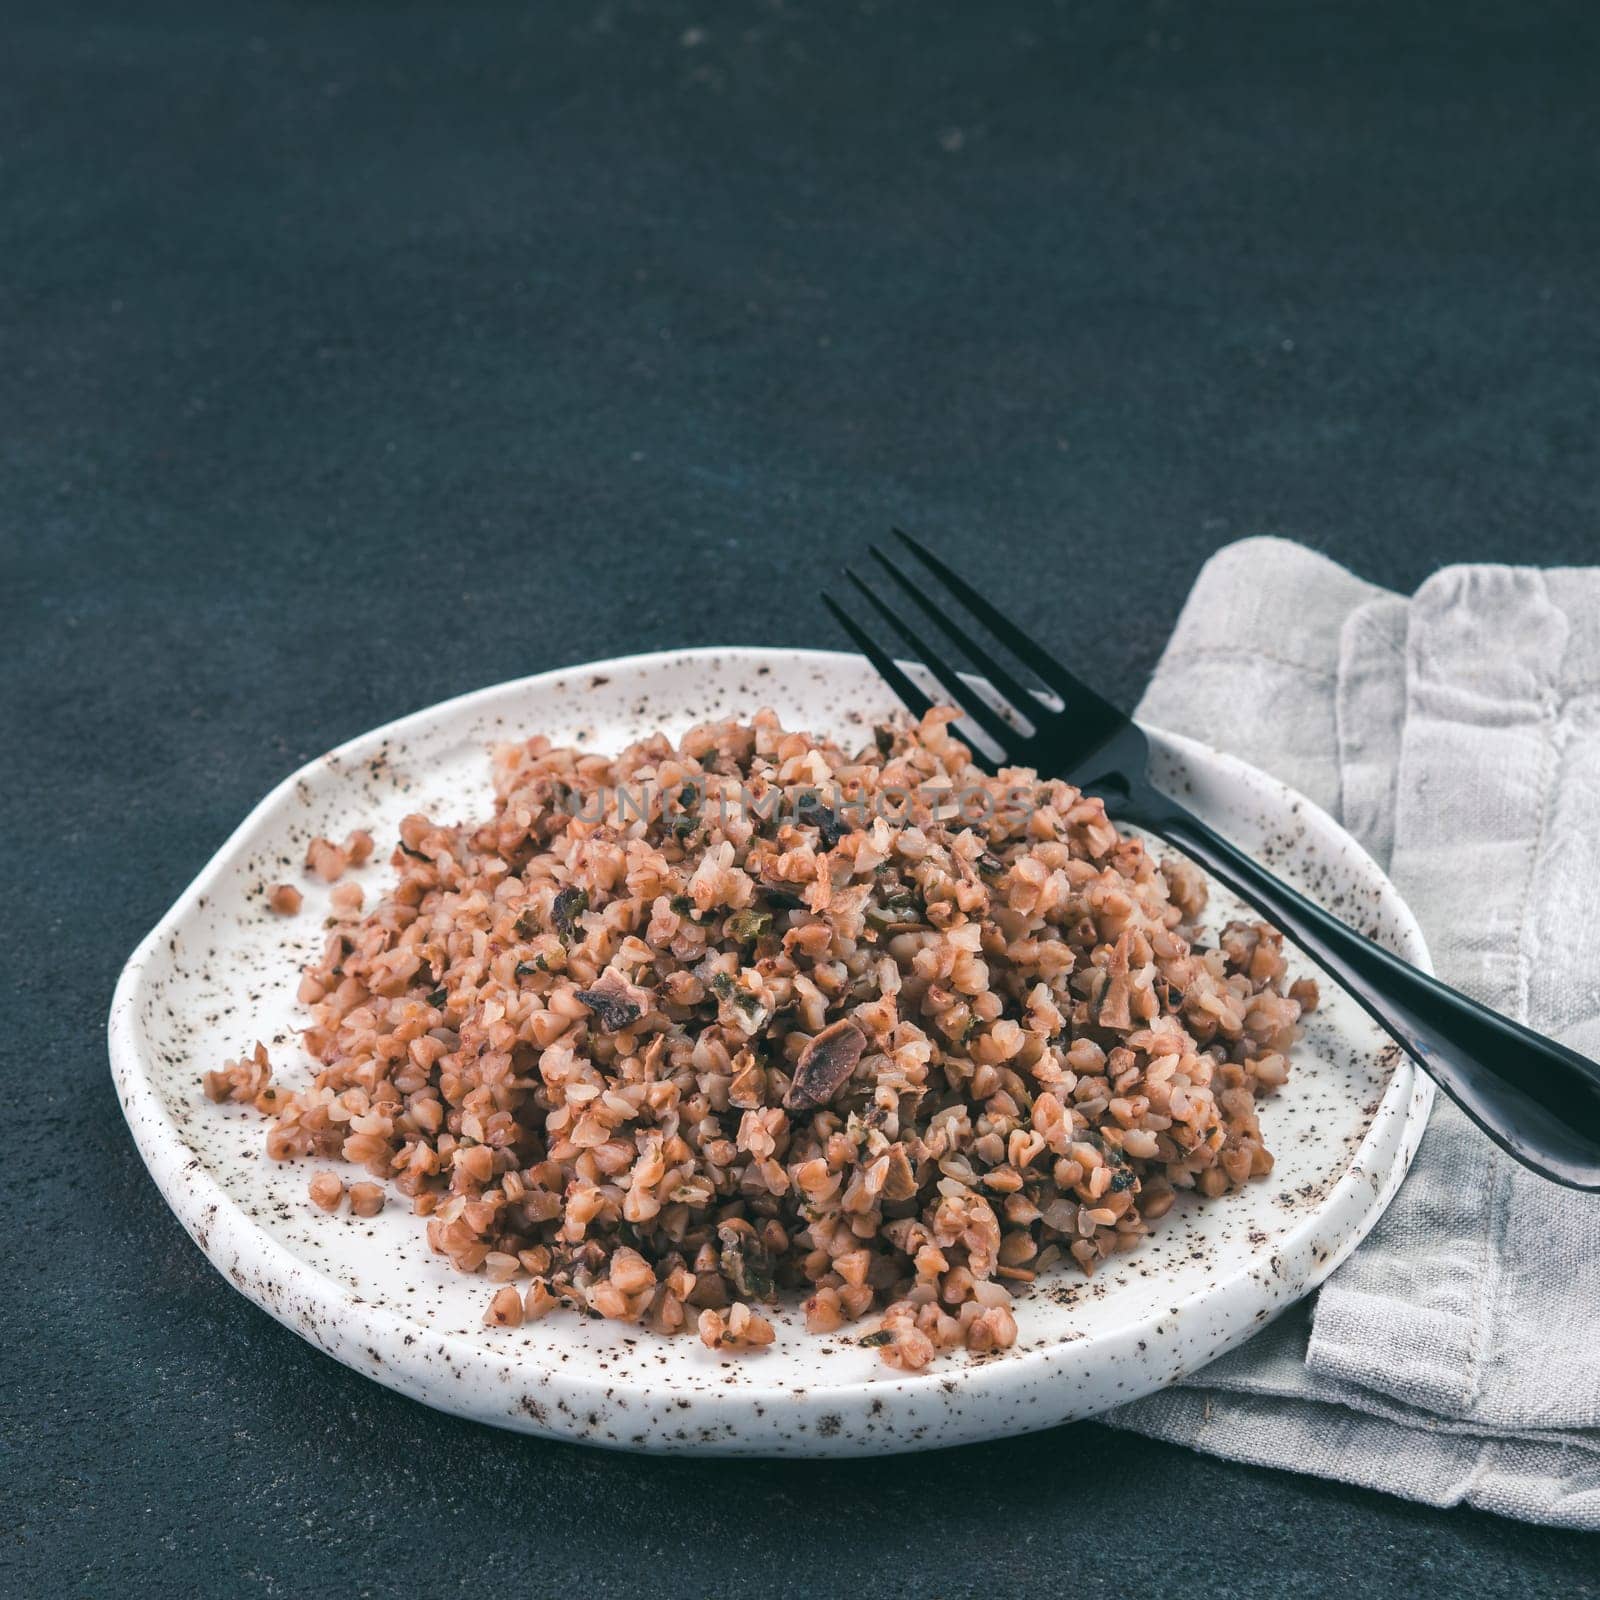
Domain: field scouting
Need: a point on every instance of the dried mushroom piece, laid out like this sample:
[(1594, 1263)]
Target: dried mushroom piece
[(615, 1002), (825, 1065)]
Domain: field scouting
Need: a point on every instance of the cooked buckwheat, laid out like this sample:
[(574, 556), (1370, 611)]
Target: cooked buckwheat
[(675, 1032)]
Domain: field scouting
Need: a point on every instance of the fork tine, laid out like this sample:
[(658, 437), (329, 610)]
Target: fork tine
[(888, 668), (1001, 676), (955, 685), (1013, 638)]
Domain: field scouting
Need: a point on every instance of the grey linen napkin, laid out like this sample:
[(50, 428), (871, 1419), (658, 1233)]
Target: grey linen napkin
[(1455, 1357)]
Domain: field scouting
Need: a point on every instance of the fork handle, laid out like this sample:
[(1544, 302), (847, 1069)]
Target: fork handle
[(1533, 1097)]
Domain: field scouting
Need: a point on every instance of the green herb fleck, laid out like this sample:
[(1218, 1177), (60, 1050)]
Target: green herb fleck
[(746, 927), (569, 905), (900, 906)]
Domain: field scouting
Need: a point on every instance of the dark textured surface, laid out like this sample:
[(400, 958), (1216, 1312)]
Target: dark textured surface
[(588, 328)]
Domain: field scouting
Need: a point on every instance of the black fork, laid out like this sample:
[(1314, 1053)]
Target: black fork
[(1535, 1098)]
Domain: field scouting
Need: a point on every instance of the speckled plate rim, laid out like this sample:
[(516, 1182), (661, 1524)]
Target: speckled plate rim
[(954, 1404)]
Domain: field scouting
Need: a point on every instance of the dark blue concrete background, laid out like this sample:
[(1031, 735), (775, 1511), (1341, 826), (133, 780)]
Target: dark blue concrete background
[(354, 355)]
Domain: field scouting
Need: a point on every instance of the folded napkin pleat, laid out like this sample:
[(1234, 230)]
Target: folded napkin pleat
[(1455, 1357)]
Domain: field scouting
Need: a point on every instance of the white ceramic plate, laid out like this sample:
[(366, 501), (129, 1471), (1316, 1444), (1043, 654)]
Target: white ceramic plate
[(219, 971)]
